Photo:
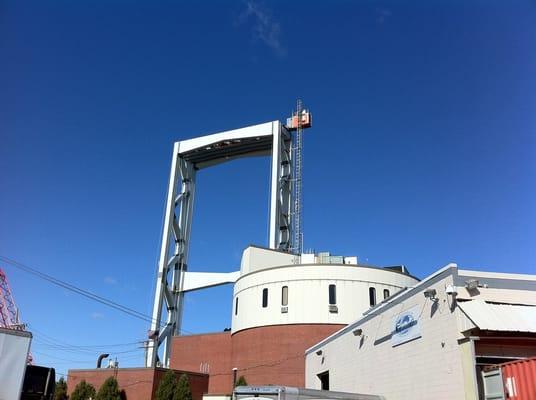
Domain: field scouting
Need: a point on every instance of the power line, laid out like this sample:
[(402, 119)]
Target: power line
[(76, 350), (61, 343), (75, 289)]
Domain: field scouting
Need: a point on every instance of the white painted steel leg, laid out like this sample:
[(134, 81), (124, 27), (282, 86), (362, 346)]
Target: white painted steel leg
[(280, 189), (285, 180), (173, 259)]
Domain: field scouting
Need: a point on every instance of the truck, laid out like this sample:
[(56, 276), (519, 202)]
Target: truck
[(18, 380), (294, 393)]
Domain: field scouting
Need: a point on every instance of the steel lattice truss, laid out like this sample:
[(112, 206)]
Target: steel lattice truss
[(9, 317)]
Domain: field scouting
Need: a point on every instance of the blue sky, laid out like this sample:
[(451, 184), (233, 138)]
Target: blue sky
[(422, 151)]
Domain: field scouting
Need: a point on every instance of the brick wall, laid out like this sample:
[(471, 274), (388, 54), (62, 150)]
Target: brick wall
[(265, 355), (276, 354), (210, 353), (138, 383)]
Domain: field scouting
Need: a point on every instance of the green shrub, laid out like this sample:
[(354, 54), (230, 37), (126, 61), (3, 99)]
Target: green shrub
[(83, 391), (61, 390), (241, 381), (109, 390), (166, 388), (183, 391)]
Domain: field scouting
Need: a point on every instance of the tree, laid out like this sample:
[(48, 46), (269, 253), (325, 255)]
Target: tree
[(241, 381), (167, 387), (183, 392), (109, 390), (83, 391), (61, 390)]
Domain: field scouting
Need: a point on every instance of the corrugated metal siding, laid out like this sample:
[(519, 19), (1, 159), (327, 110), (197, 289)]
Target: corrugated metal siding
[(519, 379), (500, 317)]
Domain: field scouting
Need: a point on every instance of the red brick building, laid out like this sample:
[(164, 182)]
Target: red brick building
[(137, 383), (264, 355)]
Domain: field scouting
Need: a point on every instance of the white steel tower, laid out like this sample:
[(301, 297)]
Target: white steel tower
[(190, 156)]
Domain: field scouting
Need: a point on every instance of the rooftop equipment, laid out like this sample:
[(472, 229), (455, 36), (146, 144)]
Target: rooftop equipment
[(299, 120)]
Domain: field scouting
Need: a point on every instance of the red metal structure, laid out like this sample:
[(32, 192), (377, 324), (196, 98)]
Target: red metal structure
[(9, 315), (519, 378)]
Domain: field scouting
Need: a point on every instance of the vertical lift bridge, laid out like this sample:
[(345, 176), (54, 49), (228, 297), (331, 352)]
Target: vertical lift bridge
[(190, 156)]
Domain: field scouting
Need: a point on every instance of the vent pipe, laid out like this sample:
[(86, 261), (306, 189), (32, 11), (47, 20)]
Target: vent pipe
[(99, 360)]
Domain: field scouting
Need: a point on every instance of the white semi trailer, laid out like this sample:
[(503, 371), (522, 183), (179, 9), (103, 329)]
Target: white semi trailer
[(294, 393), (18, 380), (14, 348)]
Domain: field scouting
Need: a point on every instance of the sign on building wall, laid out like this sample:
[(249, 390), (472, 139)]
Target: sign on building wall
[(406, 326)]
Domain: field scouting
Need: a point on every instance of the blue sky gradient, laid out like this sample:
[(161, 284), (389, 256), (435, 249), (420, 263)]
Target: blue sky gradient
[(422, 150)]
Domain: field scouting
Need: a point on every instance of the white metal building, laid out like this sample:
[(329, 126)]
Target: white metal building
[(431, 341)]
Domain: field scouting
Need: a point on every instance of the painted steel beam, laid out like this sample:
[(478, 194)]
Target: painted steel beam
[(189, 156)]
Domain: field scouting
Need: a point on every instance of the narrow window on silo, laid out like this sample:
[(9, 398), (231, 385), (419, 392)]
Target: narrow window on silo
[(386, 293), (264, 298), (332, 294), (236, 306), (372, 296), (284, 295)]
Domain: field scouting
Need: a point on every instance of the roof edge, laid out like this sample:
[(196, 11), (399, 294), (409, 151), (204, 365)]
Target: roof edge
[(367, 315)]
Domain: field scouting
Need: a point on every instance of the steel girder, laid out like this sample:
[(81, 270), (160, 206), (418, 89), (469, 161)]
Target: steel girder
[(188, 157)]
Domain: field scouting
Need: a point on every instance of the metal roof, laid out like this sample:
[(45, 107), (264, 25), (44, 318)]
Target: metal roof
[(500, 317)]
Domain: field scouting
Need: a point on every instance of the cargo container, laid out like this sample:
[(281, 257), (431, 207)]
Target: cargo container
[(515, 380)]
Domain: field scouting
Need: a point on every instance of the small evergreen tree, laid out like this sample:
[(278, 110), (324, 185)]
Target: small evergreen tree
[(61, 390), (109, 390), (241, 381), (183, 391), (83, 391), (167, 387)]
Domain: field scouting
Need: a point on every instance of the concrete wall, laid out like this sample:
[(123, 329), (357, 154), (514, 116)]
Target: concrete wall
[(430, 367), (258, 258), (137, 383), (308, 300)]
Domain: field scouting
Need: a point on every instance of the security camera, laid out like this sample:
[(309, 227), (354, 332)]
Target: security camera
[(450, 289), (430, 294)]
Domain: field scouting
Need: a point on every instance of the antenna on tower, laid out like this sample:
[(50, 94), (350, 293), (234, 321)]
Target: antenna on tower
[(299, 120)]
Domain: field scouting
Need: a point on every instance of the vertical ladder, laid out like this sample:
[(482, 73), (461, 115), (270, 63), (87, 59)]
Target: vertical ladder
[(297, 240)]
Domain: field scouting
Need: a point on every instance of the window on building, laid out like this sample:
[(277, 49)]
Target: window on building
[(236, 306), (386, 293), (372, 296), (324, 380), (284, 296), (332, 294), (264, 298)]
